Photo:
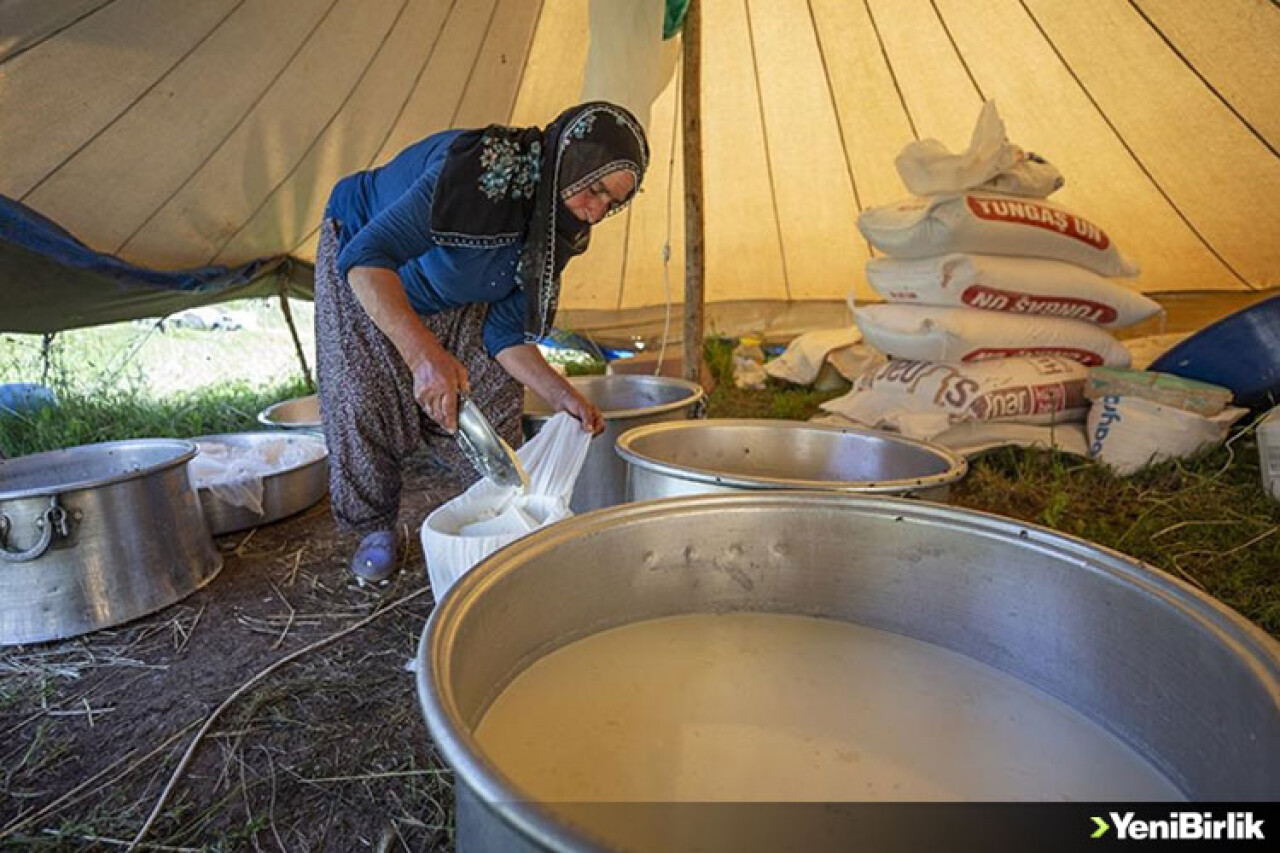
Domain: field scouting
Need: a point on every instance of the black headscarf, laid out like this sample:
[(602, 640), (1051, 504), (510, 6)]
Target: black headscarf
[(501, 184)]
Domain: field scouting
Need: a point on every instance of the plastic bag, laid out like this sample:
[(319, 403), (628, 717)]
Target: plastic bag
[(991, 162), (234, 473), (1129, 433), (486, 517)]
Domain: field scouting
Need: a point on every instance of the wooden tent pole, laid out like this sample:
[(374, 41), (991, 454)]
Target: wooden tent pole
[(283, 279), (691, 124)]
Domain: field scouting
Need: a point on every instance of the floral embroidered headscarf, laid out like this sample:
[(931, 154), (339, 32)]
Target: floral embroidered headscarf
[(492, 192)]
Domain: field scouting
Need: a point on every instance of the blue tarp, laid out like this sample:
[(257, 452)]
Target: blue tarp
[(50, 281)]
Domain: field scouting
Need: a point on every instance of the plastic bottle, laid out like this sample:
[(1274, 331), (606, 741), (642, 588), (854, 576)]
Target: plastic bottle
[(748, 363)]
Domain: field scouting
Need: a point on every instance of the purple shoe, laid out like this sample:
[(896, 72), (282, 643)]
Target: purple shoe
[(375, 559)]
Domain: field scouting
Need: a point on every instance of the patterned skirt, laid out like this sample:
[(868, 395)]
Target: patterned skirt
[(371, 420)]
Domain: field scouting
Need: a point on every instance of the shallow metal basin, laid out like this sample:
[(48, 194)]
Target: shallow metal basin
[(723, 455), (298, 413), (1182, 681), (285, 491), (626, 402), (97, 535)]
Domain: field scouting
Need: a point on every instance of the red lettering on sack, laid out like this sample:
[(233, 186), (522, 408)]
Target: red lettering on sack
[(1012, 302), (1005, 403), (1084, 356), (1058, 397), (1027, 400), (1039, 216)]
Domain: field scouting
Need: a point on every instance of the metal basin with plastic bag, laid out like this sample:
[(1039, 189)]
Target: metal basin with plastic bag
[(1154, 676), (248, 479), (727, 455), (97, 535), (627, 402)]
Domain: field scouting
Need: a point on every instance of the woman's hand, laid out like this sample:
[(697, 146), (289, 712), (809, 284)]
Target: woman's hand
[(581, 408), (437, 375), (526, 364), (437, 379)]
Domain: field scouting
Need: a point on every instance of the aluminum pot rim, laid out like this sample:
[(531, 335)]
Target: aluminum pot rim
[(304, 435), (186, 451), (264, 417), (958, 466), (697, 393), (463, 753)]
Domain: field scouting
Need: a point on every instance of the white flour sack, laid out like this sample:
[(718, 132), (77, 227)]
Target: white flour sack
[(991, 224), (925, 333), (922, 399), (1036, 286)]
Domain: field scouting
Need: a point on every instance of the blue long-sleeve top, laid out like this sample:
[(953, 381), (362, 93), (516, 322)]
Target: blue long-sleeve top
[(384, 216)]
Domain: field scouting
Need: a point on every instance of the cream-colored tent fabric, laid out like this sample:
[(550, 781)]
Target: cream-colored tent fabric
[(209, 131)]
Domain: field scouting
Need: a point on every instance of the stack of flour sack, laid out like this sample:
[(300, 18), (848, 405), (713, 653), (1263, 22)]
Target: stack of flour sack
[(997, 301)]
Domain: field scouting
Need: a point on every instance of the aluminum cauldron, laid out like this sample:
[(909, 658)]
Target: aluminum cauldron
[(1187, 684), (97, 535), (727, 455), (627, 402)]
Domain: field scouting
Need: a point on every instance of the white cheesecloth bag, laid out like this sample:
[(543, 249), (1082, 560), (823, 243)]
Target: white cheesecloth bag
[(486, 517)]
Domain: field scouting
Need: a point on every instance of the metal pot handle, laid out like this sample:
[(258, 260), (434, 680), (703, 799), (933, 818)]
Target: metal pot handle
[(54, 520)]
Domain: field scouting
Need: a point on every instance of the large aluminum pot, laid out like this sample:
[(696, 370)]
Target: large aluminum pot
[(697, 457), (285, 489), (627, 402), (1184, 682), (97, 535)]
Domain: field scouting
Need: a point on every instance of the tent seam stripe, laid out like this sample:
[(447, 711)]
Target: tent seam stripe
[(56, 31), (123, 112), (955, 47), (1226, 103), (417, 81), (768, 158), (835, 109), (1133, 154), (386, 36), (234, 127), (524, 66), (399, 112), (893, 75), (475, 62)]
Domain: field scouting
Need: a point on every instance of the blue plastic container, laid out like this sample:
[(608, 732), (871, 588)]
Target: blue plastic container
[(21, 398), (1241, 352)]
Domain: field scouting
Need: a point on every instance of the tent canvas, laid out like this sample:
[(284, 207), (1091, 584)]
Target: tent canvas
[(208, 133)]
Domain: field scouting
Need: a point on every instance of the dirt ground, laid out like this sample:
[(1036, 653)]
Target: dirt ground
[(328, 753)]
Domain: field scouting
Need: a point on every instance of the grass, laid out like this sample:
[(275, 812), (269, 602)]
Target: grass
[(133, 380), (1205, 520)]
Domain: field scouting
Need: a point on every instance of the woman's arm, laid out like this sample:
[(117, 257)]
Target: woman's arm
[(526, 364), (437, 375)]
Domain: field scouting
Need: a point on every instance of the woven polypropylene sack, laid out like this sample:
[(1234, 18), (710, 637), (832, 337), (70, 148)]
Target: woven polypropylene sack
[(1033, 286), (991, 224)]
